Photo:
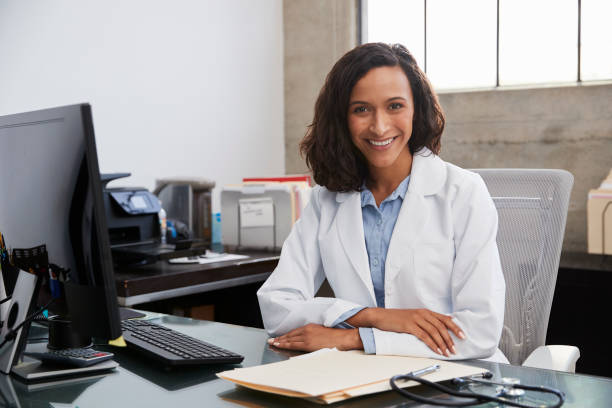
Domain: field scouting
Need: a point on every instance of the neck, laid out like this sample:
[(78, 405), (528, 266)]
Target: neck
[(382, 181)]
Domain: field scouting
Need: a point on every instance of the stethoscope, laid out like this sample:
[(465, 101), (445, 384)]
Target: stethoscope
[(508, 390)]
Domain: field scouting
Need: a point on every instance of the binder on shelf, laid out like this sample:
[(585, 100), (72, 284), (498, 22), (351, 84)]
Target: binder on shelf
[(280, 179), (300, 186), (260, 212), (599, 218)]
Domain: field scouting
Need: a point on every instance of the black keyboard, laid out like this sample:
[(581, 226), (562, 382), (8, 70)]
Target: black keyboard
[(173, 348)]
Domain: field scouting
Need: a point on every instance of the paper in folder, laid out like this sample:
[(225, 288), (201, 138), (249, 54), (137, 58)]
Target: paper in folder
[(328, 376)]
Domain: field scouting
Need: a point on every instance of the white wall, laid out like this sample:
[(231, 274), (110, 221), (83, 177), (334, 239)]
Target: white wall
[(178, 88)]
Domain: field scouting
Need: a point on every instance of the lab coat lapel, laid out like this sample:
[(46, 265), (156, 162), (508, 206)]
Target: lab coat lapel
[(350, 231), (428, 175), (408, 229)]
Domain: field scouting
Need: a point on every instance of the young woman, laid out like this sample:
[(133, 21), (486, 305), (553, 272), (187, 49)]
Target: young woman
[(405, 240)]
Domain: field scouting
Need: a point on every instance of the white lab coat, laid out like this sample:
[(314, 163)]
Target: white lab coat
[(442, 256)]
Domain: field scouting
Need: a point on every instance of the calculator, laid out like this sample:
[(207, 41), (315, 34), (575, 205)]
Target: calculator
[(76, 357)]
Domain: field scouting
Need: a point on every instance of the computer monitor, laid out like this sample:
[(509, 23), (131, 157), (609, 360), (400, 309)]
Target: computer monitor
[(51, 194)]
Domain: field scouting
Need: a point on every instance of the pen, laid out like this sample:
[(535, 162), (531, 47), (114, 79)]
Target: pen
[(426, 370)]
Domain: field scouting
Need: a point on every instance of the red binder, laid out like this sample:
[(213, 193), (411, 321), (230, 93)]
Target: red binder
[(281, 179)]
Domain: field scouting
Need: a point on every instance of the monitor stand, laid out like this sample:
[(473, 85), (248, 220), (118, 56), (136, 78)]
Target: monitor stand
[(11, 359), (8, 397), (21, 302)]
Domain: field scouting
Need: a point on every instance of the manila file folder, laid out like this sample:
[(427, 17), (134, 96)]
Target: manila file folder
[(329, 375)]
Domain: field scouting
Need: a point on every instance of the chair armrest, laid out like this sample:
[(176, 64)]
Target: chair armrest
[(560, 358)]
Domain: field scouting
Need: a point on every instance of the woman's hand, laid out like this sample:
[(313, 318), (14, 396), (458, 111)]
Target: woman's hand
[(430, 327), (314, 337)]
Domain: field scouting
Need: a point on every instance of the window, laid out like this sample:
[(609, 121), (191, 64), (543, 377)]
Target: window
[(538, 41), (461, 43), (405, 24), (596, 39), (487, 43)]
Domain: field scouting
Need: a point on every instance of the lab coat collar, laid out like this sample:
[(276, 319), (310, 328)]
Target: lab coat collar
[(427, 176), (428, 173)]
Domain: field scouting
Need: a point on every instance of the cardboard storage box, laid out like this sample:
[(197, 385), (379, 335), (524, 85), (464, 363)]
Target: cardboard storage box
[(599, 218)]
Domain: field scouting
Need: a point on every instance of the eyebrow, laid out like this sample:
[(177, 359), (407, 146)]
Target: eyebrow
[(365, 103)]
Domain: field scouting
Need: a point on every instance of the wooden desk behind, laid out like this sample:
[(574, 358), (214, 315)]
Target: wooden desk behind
[(162, 280)]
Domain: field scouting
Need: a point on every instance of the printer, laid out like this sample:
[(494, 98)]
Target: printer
[(133, 226), (131, 213)]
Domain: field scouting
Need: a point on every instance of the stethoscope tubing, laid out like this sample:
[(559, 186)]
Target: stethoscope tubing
[(474, 398)]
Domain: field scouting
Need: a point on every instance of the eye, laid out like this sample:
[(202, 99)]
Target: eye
[(360, 109), (396, 106)]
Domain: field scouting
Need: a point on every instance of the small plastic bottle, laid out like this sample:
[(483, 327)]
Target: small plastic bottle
[(216, 228), (163, 225)]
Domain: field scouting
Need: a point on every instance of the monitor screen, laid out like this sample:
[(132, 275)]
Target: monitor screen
[(50, 194)]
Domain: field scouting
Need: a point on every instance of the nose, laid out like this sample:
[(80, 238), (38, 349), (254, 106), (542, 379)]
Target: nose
[(380, 123)]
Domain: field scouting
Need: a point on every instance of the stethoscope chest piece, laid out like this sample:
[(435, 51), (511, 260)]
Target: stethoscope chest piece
[(508, 390)]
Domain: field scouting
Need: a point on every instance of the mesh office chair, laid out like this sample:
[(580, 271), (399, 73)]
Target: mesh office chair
[(532, 207)]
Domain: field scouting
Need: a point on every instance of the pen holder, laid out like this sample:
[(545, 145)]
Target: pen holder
[(62, 336), (36, 261)]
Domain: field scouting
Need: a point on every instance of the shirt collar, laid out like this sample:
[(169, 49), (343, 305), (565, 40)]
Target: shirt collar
[(367, 198)]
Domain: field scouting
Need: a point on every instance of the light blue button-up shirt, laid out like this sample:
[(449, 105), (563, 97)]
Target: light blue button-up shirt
[(378, 224)]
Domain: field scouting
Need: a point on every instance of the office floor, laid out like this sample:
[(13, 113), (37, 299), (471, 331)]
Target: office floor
[(579, 317)]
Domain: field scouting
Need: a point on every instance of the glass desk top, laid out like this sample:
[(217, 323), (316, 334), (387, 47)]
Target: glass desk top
[(142, 383)]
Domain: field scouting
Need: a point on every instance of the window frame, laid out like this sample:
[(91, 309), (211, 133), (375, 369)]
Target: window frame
[(362, 36)]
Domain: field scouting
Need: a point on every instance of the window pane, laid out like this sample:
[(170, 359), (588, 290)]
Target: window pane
[(538, 41), (397, 21), (461, 42), (596, 39)]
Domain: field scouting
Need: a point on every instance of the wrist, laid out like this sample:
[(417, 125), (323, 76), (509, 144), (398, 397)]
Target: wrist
[(371, 316), (352, 340), (366, 317)]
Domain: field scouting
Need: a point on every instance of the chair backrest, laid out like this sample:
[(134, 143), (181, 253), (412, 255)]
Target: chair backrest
[(532, 207)]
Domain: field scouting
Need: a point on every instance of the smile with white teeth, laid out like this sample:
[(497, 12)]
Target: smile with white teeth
[(382, 142)]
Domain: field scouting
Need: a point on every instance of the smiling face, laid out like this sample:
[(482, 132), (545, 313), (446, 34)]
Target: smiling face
[(379, 118)]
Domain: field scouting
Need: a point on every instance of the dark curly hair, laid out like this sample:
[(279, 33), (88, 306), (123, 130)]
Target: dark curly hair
[(327, 147)]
